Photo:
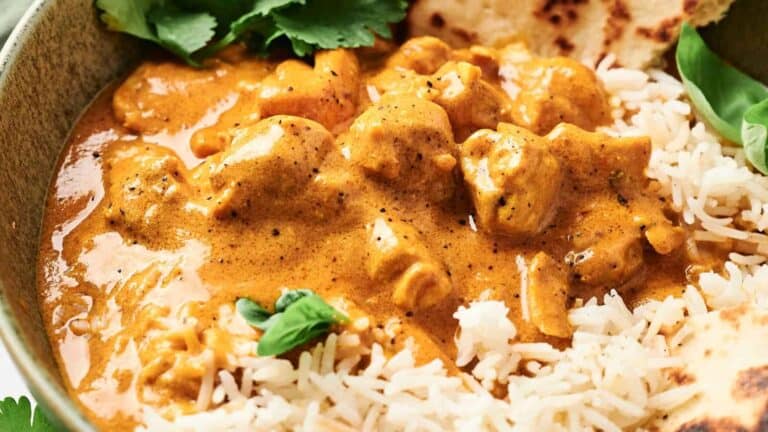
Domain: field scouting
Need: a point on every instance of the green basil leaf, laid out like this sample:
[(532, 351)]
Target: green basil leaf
[(754, 135), (303, 321), (253, 313), (720, 93), (290, 297)]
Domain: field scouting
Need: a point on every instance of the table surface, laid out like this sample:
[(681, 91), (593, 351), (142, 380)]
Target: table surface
[(11, 383)]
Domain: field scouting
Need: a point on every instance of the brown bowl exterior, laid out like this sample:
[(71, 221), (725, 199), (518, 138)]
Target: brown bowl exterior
[(54, 63)]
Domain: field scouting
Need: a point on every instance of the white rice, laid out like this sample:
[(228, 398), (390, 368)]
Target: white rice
[(612, 378)]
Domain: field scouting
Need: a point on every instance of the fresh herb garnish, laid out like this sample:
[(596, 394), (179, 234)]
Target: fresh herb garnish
[(729, 100), (300, 317), (18, 417), (196, 29), (754, 135)]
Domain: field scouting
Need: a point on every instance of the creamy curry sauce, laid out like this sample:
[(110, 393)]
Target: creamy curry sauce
[(363, 177)]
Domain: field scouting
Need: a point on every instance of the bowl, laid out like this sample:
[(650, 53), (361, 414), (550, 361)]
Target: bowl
[(54, 63), (56, 60)]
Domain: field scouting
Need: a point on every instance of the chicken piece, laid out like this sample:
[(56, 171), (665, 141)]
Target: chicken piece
[(487, 59), (327, 93), (608, 248), (146, 184), (269, 163), (471, 102), (595, 161), (407, 143), (661, 234), (155, 97), (513, 179), (423, 55), (549, 91), (397, 257), (547, 297), (664, 237)]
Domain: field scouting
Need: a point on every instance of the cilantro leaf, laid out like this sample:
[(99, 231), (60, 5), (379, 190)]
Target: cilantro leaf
[(332, 24), (183, 32), (18, 417), (264, 7), (255, 21), (196, 29), (225, 11), (128, 16)]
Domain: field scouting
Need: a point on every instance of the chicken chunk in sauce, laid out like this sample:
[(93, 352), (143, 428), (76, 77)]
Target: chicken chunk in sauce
[(514, 181), (401, 183)]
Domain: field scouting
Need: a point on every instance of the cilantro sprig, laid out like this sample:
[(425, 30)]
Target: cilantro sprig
[(19, 417), (197, 29)]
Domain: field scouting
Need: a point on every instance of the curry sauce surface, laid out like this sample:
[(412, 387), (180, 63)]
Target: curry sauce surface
[(363, 177)]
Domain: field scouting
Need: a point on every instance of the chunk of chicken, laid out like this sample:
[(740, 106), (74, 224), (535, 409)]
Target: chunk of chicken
[(423, 55), (471, 102), (268, 163), (397, 257), (664, 237), (327, 93), (595, 161), (155, 97), (608, 247), (407, 143), (487, 59), (549, 91), (146, 184), (547, 296), (513, 179)]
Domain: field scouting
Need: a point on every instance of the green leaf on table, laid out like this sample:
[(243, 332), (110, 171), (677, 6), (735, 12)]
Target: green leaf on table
[(754, 135), (303, 321), (720, 93), (18, 417)]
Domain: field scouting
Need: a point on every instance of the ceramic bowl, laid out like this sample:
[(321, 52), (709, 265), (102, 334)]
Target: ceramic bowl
[(54, 63)]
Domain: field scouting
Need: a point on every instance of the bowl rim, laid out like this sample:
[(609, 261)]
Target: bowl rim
[(52, 399)]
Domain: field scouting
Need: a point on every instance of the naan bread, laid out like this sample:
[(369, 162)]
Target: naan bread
[(636, 31), (727, 357)]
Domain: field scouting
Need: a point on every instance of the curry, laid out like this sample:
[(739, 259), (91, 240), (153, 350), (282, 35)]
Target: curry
[(398, 182)]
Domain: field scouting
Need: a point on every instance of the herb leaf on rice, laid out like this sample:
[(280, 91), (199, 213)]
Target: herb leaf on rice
[(300, 317)]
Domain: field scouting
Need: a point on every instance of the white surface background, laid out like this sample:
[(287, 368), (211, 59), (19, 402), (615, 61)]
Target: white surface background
[(11, 383)]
